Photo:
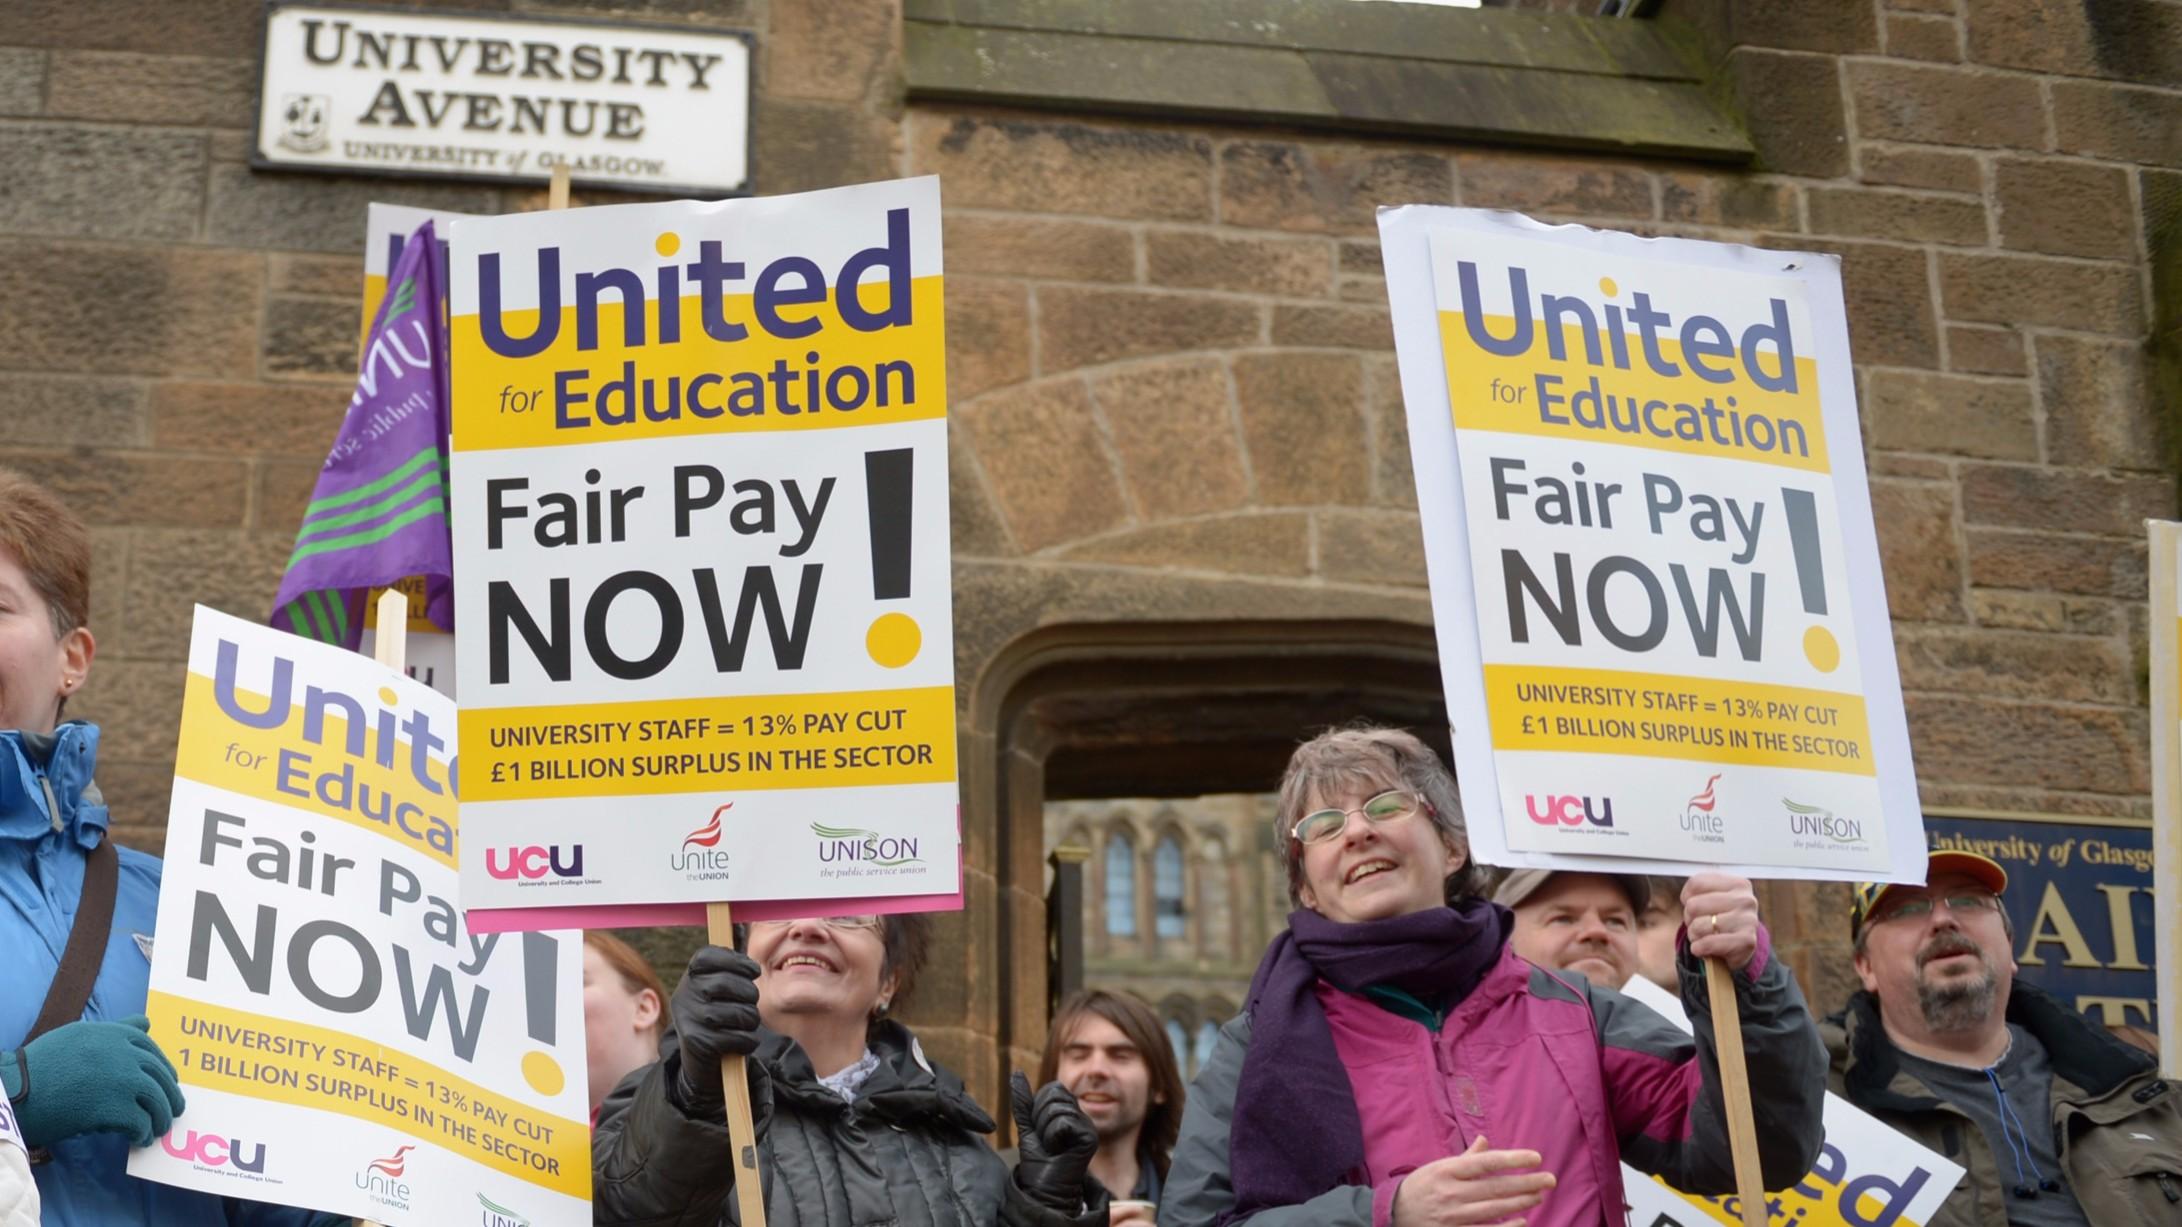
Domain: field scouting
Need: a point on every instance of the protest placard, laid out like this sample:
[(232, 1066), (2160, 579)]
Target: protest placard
[(1655, 580), (701, 553), (1867, 1175), (345, 1043), (2166, 642)]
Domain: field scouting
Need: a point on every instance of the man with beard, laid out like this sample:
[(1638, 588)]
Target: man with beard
[(1111, 1053), (1580, 922), (2055, 1121)]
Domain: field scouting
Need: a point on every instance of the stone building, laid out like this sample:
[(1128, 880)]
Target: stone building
[(1180, 897), (1184, 527)]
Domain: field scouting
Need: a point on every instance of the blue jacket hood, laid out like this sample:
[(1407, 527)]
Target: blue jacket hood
[(46, 785)]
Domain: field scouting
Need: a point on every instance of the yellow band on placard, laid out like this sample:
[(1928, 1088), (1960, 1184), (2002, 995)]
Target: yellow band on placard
[(1534, 393), (698, 386), (277, 1061), (655, 747), (1665, 715), (287, 766), (1821, 1207)]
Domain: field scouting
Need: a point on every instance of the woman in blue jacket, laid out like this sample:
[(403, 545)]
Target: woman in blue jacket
[(86, 1091)]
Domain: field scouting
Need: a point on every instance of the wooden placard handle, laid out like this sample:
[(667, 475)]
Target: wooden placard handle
[(741, 1133), (1742, 1123), (390, 643), (390, 647)]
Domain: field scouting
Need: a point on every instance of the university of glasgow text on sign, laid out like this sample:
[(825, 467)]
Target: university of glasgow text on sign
[(646, 108)]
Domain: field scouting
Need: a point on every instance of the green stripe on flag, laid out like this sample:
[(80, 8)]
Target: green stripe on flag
[(429, 455), (371, 535), (297, 621), (320, 617), (429, 481)]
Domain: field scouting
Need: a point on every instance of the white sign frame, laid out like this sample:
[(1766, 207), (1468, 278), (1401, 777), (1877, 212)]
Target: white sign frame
[(326, 104), (719, 801), (328, 1106), (1407, 241)]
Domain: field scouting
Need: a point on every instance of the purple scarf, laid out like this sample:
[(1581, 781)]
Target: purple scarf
[(1295, 1132)]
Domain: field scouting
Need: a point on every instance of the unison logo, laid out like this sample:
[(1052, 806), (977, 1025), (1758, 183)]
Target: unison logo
[(492, 1214), (1818, 821), (841, 844)]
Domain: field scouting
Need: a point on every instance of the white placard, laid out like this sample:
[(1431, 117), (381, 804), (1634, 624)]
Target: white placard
[(1662, 628), (2166, 638), (345, 1043), (701, 552), (503, 97)]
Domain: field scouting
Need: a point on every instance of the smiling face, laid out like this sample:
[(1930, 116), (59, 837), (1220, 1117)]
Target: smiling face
[(1376, 870), (1579, 922), (810, 968), (1950, 971), (1109, 1078)]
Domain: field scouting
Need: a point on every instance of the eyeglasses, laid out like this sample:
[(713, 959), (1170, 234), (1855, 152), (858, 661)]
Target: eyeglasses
[(1922, 905), (1321, 825), (832, 922)]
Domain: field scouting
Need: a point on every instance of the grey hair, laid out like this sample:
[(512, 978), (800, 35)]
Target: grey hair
[(1371, 758)]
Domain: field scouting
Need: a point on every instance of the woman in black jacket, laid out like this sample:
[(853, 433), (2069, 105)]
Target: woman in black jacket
[(854, 1125)]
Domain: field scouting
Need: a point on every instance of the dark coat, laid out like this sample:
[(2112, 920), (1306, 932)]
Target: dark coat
[(2117, 1122), (911, 1151)]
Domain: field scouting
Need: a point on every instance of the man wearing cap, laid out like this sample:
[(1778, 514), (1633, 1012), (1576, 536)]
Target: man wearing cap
[(2055, 1121), (1581, 922)]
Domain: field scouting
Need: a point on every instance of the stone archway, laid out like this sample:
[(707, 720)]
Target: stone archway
[(1144, 709)]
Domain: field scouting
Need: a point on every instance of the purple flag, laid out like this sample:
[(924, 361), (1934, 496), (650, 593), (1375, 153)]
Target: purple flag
[(379, 513)]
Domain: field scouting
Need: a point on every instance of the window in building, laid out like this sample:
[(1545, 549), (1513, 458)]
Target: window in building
[(1167, 888), (1216, 925), (1120, 887), (1178, 1039)]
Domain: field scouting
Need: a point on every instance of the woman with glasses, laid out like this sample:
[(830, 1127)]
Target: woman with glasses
[(854, 1125), (1398, 1064)]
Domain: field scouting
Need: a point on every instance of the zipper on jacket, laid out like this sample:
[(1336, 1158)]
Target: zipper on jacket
[(2166, 1186)]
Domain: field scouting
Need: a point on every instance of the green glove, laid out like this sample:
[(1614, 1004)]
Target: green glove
[(92, 1077)]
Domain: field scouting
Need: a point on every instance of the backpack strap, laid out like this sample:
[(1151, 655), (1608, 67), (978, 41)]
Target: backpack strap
[(86, 950)]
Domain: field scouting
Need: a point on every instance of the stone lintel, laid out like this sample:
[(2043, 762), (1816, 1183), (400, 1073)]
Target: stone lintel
[(1541, 80)]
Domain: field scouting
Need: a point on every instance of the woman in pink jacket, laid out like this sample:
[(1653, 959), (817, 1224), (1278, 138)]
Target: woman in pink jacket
[(1399, 1064)]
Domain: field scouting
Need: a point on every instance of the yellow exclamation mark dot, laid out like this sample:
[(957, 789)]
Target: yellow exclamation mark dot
[(543, 1073), (668, 243), (894, 640), (1821, 649), (1607, 287), (388, 697)]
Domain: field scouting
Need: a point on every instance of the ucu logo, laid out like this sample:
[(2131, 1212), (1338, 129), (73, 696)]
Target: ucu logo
[(210, 1151), (1569, 811), (533, 862)]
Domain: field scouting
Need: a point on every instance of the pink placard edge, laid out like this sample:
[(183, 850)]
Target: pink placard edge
[(659, 915)]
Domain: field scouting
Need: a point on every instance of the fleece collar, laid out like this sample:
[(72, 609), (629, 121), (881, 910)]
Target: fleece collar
[(46, 786)]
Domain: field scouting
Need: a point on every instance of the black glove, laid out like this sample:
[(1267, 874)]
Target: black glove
[(715, 1013), (1055, 1142)]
